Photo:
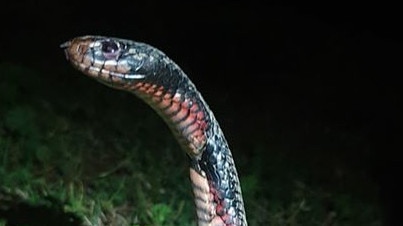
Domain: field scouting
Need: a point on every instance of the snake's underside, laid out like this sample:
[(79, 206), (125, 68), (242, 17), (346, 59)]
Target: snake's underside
[(148, 73)]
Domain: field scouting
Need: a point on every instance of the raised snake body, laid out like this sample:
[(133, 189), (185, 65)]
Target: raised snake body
[(148, 73)]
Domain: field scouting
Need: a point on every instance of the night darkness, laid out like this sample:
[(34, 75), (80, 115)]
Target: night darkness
[(265, 70)]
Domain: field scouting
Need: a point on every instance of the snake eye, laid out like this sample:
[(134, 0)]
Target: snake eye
[(111, 49)]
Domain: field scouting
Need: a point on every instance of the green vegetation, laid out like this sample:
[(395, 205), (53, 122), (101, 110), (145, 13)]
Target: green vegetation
[(72, 154)]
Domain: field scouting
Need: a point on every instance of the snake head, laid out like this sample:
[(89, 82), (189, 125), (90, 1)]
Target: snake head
[(115, 62)]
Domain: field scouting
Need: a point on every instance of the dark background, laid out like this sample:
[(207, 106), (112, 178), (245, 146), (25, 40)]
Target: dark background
[(266, 69)]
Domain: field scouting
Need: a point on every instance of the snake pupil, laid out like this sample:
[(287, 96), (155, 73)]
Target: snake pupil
[(109, 46), (111, 49)]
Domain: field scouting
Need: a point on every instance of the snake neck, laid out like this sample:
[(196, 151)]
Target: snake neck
[(213, 174)]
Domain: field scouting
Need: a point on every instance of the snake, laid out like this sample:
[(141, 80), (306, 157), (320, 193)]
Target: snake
[(148, 73)]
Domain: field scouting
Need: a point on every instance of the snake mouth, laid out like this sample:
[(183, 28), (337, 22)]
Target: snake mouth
[(65, 47), (65, 44)]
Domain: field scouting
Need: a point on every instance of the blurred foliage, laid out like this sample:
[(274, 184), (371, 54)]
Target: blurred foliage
[(77, 153)]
